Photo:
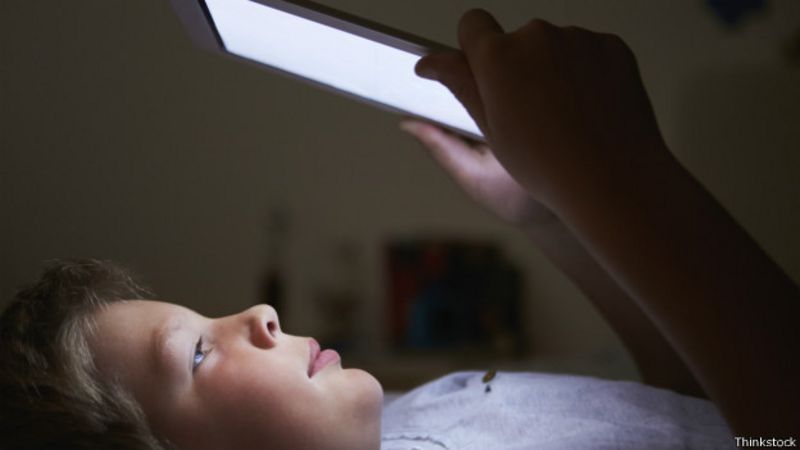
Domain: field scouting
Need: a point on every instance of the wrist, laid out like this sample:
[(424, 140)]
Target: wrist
[(640, 175)]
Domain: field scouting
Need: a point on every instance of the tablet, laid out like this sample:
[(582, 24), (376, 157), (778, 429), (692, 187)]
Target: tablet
[(352, 56)]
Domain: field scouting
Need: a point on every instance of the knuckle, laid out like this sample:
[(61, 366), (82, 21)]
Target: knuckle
[(576, 33), (615, 43), (539, 32), (538, 29), (618, 49), (539, 25)]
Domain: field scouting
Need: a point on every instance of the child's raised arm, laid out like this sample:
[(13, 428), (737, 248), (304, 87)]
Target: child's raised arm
[(475, 169), (566, 114)]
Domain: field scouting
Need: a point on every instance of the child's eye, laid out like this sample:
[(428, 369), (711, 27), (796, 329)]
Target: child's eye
[(199, 354)]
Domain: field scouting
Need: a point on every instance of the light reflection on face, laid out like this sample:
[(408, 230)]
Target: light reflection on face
[(233, 382)]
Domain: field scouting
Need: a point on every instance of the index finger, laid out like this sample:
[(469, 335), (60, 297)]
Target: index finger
[(475, 25)]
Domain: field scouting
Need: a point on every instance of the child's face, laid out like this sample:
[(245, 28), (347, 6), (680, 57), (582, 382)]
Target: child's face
[(252, 390)]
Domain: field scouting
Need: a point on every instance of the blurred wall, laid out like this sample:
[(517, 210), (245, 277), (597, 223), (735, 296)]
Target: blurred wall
[(120, 140)]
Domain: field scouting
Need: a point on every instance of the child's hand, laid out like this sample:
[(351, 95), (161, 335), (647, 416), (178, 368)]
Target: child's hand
[(563, 108), (474, 167)]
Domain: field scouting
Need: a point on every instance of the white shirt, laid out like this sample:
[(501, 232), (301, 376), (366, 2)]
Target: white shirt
[(544, 411)]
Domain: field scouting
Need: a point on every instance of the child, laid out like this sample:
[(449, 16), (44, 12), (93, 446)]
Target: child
[(578, 163)]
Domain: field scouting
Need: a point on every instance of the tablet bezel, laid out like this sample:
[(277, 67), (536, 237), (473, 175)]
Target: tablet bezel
[(198, 22)]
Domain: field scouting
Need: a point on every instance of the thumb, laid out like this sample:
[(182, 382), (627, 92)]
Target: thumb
[(452, 70)]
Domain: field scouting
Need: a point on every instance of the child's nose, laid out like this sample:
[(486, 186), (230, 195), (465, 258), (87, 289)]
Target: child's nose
[(264, 325)]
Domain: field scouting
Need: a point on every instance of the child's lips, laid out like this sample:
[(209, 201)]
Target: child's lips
[(318, 358)]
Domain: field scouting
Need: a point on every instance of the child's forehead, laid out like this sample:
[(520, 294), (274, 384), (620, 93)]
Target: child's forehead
[(138, 330), (146, 306), (138, 316)]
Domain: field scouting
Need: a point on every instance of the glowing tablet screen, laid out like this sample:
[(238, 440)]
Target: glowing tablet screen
[(344, 61)]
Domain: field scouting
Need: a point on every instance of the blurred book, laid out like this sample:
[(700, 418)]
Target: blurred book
[(452, 295)]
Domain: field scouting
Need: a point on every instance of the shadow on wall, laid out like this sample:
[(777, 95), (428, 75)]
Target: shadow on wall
[(738, 131)]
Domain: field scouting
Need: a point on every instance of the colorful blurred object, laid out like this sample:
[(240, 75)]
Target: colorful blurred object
[(454, 295)]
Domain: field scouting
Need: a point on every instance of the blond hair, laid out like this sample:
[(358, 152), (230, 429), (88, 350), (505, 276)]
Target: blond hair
[(52, 396)]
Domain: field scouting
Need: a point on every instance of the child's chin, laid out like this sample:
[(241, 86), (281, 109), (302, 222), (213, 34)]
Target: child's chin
[(366, 379), (367, 389)]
